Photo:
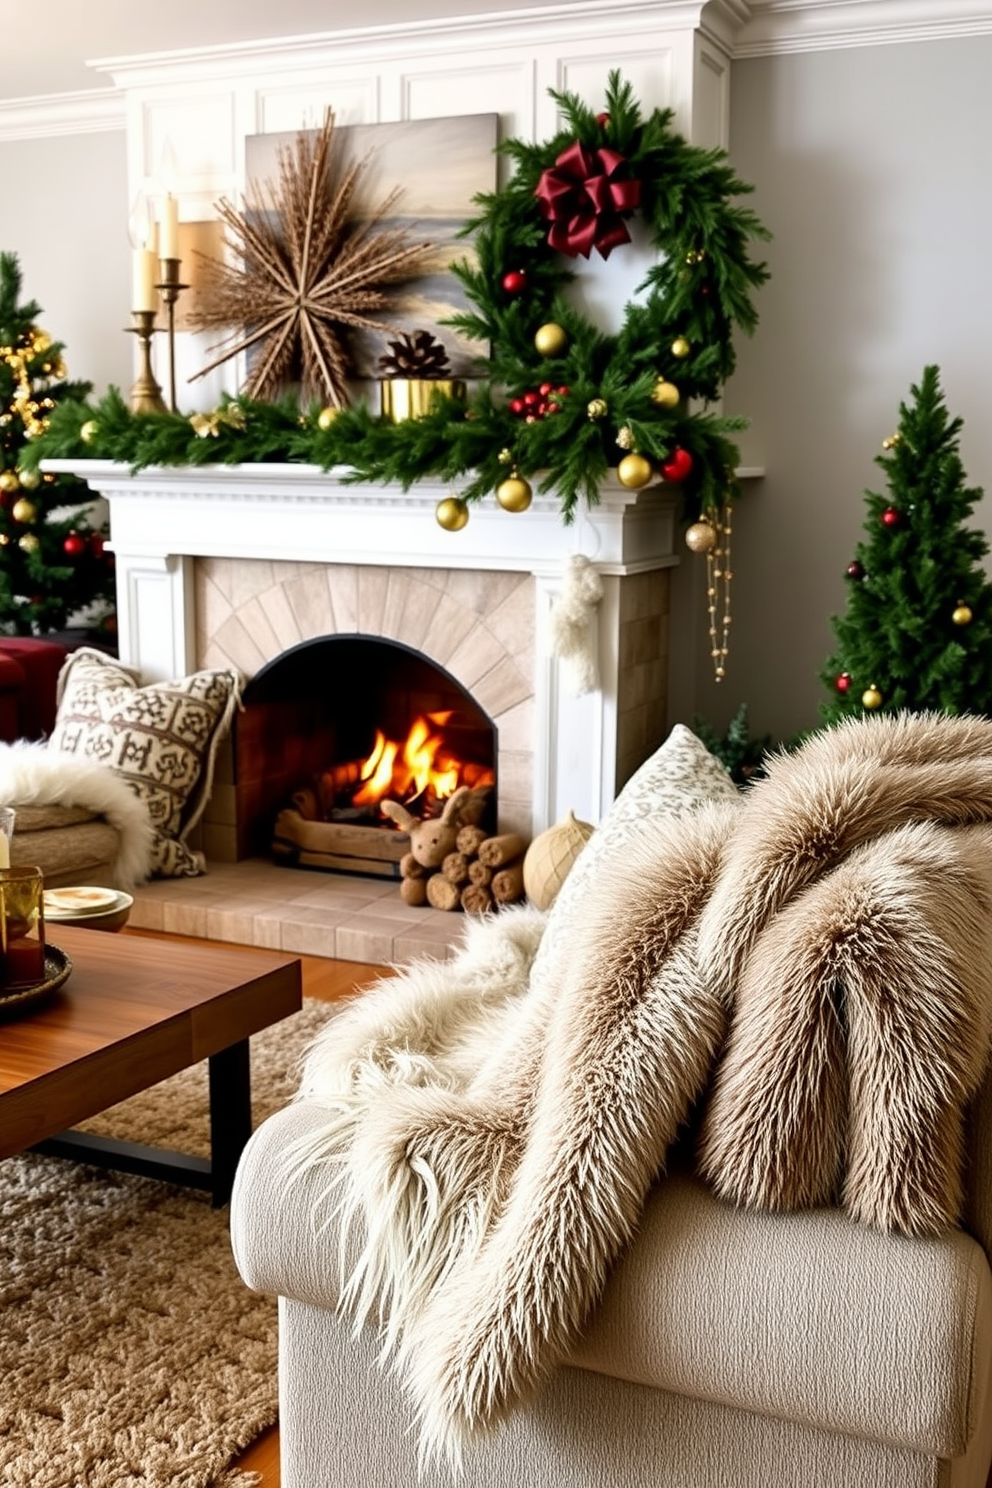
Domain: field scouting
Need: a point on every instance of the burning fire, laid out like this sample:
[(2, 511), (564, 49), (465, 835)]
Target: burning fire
[(422, 766)]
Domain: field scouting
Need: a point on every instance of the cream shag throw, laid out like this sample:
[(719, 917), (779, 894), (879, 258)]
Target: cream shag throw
[(813, 965), (31, 775)]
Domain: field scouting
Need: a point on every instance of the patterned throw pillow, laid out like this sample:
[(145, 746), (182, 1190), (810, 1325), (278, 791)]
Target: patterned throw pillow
[(678, 777), (161, 739)]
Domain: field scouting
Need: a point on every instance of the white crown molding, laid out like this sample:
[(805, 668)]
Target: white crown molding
[(93, 111), (408, 39), (778, 26)]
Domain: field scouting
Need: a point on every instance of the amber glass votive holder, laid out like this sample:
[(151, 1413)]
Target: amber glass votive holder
[(22, 928)]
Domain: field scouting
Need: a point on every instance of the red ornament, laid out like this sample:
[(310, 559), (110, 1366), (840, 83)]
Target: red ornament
[(585, 198), (892, 516), (855, 570), (516, 406), (514, 281), (74, 545), (602, 120), (843, 682), (678, 465)]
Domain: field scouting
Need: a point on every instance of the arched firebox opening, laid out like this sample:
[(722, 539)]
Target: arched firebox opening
[(335, 725)]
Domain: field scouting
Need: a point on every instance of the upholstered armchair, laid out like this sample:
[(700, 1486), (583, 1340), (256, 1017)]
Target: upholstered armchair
[(723, 1123)]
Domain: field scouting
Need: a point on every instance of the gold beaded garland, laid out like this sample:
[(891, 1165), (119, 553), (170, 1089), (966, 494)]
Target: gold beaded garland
[(718, 577)]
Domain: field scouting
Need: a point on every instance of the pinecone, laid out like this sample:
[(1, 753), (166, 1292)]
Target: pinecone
[(416, 355)]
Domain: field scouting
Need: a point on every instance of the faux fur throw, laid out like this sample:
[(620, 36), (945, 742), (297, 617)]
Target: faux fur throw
[(32, 776), (806, 974)]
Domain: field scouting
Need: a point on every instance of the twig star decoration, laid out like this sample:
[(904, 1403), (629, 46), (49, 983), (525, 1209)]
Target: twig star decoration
[(303, 270)]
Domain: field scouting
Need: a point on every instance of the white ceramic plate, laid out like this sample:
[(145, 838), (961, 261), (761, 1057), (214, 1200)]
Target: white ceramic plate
[(73, 902)]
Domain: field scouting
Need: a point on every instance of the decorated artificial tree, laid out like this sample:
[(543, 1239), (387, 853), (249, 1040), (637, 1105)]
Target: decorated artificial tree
[(52, 560), (917, 631)]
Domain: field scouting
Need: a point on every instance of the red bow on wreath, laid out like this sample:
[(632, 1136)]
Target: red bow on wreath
[(584, 201)]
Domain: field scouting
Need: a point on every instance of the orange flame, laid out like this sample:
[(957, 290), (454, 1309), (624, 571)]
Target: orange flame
[(421, 763)]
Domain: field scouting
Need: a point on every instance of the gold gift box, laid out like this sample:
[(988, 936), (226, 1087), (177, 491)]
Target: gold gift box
[(411, 397)]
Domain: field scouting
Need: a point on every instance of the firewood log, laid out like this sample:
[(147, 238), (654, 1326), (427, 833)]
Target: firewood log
[(410, 868), (473, 809), (479, 874), (442, 893), (468, 840), (496, 851), (413, 891), (508, 884), (455, 868), (476, 899)]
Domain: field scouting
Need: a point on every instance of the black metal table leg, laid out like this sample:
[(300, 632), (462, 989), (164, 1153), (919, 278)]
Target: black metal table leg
[(230, 1115)]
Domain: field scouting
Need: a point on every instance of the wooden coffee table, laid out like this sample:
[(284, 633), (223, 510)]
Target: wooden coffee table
[(133, 1012)]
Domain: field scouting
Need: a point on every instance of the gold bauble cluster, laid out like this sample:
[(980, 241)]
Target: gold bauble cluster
[(31, 410)]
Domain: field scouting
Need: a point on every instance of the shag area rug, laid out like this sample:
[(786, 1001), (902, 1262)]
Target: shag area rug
[(133, 1355)]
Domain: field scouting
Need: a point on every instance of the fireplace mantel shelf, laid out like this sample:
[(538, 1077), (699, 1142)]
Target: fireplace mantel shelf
[(303, 513)]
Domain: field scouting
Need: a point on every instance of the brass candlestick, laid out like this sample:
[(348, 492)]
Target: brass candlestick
[(146, 395), (170, 290)]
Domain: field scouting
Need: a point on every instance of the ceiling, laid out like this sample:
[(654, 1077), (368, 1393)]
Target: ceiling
[(49, 54)]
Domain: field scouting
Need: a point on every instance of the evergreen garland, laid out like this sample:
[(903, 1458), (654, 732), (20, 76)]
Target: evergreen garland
[(696, 293)]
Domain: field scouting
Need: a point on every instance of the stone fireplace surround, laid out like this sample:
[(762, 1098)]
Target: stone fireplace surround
[(234, 566)]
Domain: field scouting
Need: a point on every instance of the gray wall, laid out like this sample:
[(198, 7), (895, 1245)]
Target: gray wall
[(871, 168), (63, 211)]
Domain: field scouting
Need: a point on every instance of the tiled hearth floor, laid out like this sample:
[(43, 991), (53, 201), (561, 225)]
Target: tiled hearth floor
[(260, 903)]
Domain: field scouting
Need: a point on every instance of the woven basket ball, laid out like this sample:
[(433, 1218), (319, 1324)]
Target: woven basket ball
[(549, 859)]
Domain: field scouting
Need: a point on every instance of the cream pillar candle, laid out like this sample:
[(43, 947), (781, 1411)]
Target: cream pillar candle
[(143, 293), (169, 244)]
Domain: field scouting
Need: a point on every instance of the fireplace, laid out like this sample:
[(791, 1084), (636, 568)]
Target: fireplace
[(337, 724), (242, 565)]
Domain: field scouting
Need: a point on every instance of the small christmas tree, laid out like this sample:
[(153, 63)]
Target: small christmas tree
[(917, 632), (52, 560)]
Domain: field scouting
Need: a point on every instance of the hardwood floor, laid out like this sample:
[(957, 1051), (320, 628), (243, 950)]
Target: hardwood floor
[(328, 981)]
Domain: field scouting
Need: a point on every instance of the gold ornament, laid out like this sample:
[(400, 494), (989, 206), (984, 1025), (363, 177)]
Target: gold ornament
[(625, 437), (326, 417), (634, 471), (451, 513), (597, 408), (680, 347), (700, 537), (89, 431), (4, 540), (24, 510), (871, 697), (505, 456), (30, 542), (551, 339), (30, 479), (962, 615), (514, 494), (892, 441), (665, 394), (8, 480)]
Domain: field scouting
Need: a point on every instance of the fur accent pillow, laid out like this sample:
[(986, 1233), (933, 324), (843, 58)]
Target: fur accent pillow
[(680, 776), (161, 739)]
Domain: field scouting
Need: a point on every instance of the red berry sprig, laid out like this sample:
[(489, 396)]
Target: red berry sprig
[(539, 402)]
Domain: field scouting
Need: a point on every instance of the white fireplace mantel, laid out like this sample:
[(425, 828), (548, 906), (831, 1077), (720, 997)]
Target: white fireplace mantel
[(164, 518)]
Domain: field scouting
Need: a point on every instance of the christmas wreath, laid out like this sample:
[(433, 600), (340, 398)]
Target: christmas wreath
[(559, 400)]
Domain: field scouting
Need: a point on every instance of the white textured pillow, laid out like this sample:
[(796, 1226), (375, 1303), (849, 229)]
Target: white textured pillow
[(680, 776), (161, 739)]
